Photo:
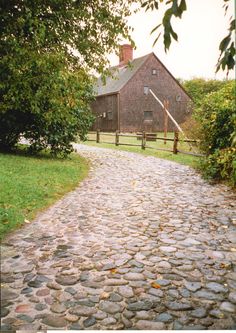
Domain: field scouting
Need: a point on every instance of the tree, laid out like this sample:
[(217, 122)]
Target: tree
[(176, 8), (198, 88), (47, 49)]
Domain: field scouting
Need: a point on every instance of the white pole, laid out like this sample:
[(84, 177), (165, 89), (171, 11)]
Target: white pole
[(176, 124), (170, 116)]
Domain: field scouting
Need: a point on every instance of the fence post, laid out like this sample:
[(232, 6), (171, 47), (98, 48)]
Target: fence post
[(98, 136), (144, 140), (166, 106), (175, 146), (117, 138)]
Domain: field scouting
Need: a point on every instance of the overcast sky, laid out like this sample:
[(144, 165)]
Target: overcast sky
[(200, 30)]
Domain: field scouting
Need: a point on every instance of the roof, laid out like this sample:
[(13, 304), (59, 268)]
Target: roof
[(119, 77)]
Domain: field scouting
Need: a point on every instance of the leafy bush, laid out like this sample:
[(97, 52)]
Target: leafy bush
[(221, 165), (198, 88), (44, 102), (217, 119)]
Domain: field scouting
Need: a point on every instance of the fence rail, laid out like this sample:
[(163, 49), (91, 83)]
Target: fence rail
[(144, 137)]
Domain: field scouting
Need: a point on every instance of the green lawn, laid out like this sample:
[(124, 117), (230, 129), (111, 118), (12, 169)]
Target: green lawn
[(107, 141), (31, 184)]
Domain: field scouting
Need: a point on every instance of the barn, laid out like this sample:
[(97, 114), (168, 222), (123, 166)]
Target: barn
[(123, 102)]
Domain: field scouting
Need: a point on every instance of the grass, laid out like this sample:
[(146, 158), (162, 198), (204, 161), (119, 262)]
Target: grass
[(107, 140), (28, 185)]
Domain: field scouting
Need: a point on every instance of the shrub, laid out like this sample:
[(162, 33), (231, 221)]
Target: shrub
[(45, 101), (217, 120)]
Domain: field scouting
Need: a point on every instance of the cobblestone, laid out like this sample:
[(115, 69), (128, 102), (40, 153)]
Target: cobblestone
[(142, 243)]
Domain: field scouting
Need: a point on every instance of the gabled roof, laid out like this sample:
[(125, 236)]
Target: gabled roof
[(120, 76)]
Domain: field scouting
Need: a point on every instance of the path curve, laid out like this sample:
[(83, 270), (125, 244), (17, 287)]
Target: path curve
[(143, 243)]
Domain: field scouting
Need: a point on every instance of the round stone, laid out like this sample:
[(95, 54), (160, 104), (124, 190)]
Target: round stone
[(54, 321), (167, 249), (108, 321), (35, 284), (40, 307), (140, 305), (26, 290), (7, 294), (89, 322), (164, 317), (199, 313), (149, 325), (81, 310), (4, 312), (43, 292), (109, 307), (192, 286), (70, 290), (217, 314), (126, 291), (22, 308), (58, 308), (232, 297), (228, 307), (66, 280), (53, 285), (71, 318), (164, 264), (143, 315), (178, 306), (134, 276), (163, 282), (115, 297), (216, 287)]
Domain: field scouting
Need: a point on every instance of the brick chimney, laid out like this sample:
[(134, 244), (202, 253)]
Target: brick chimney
[(126, 54)]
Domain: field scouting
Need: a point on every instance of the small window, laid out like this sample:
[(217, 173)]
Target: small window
[(148, 115), (154, 71), (178, 98), (145, 90), (109, 115)]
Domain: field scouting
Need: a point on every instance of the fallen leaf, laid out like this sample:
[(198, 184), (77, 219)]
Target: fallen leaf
[(113, 271), (155, 285), (104, 295)]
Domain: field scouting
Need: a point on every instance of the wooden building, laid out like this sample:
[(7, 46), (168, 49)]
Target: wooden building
[(123, 102)]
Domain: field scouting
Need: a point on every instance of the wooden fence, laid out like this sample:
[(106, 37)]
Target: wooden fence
[(145, 138)]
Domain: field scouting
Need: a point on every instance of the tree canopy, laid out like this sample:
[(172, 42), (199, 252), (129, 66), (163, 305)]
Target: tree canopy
[(47, 49)]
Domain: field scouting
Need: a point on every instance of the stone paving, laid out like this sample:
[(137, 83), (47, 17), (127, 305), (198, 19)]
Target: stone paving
[(143, 243)]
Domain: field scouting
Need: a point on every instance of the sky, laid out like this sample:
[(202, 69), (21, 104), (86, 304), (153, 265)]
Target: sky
[(200, 31)]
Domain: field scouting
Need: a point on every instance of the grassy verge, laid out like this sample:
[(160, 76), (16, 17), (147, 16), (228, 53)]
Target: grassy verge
[(31, 184), (179, 158)]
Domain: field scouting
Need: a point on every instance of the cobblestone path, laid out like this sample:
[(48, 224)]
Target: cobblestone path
[(143, 243)]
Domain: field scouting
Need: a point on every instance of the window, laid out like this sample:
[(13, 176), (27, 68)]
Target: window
[(148, 115), (154, 71), (109, 115), (145, 90), (178, 98)]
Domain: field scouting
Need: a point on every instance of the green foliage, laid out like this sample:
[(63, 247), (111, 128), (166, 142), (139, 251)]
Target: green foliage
[(217, 117), (30, 184), (218, 128), (221, 165), (198, 88), (47, 49), (42, 101)]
